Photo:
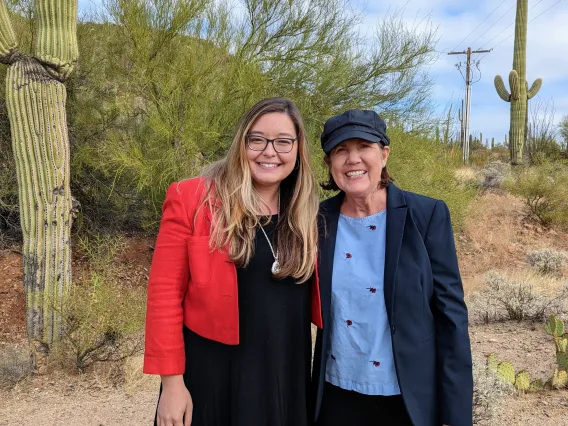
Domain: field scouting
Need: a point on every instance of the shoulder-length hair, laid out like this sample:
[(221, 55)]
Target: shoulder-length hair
[(237, 208)]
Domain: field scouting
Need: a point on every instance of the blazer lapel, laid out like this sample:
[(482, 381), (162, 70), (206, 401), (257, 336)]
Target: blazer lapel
[(327, 236), (396, 217)]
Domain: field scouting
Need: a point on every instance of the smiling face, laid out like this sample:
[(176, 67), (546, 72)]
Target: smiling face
[(268, 168), (356, 166)]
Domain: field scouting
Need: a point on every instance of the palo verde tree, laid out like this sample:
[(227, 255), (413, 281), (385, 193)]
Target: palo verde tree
[(36, 98)]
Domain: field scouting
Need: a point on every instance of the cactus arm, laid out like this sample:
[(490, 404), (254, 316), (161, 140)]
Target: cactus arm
[(501, 89), (514, 83), (56, 41), (534, 88), (8, 43)]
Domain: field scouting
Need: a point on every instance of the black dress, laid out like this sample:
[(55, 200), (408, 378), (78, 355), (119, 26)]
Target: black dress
[(264, 380)]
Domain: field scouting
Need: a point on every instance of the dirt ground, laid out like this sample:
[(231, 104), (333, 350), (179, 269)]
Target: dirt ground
[(498, 238)]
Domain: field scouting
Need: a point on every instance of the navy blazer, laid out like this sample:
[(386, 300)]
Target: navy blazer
[(425, 307)]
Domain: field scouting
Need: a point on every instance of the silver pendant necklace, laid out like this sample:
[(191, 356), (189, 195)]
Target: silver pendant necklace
[(275, 265)]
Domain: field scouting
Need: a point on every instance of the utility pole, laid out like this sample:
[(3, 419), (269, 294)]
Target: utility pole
[(467, 108)]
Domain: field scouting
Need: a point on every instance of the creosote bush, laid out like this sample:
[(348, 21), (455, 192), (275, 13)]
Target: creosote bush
[(428, 167), (545, 191), (517, 299), (546, 261)]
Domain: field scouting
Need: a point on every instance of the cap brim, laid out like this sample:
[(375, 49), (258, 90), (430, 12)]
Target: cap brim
[(352, 134)]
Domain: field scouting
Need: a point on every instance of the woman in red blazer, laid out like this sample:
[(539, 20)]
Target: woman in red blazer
[(232, 287)]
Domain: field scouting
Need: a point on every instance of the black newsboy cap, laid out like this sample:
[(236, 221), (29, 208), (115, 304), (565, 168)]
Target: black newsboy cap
[(353, 124)]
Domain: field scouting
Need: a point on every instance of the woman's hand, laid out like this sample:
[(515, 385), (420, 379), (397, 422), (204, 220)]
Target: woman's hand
[(175, 407)]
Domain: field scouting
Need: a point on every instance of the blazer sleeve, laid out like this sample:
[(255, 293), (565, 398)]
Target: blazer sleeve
[(164, 352), (455, 379)]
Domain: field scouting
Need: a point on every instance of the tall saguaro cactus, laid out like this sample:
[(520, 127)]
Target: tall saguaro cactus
[(36, 98), (520, 93)]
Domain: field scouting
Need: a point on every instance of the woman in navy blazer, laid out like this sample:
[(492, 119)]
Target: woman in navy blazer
[(394, 348)]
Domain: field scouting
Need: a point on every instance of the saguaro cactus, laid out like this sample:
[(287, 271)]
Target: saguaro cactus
[(520, 93), (36, 99)]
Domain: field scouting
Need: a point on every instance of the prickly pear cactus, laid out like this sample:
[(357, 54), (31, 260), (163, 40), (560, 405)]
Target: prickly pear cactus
[(36, 98), (536, 386), (523, 381), (520, 94), (559, 379), (554, 326), (506, 371), (562, 354), (492, 363)]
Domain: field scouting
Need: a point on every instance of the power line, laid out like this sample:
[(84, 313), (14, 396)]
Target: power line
[(482, 22), (501, 17), (544, 11), (532, 20), (508, 26)]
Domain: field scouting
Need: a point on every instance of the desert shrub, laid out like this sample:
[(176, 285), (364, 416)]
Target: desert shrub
[(546, 261), (545, 190), (488, 389), (495, 173), (424, 166), (15, 365), (103, 318), (517, 298), (480, 156)]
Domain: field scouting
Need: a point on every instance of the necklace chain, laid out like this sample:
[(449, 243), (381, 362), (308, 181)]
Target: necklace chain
[(275, 265)]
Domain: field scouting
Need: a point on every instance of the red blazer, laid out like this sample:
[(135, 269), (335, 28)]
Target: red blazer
[(191, 285)]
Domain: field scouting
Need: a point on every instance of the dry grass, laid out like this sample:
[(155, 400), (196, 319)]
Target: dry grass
[(519, 295), (498, 236), (15, 365), (468, 176), (135, 380)]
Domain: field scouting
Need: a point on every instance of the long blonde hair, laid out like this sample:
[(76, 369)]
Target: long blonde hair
[(237, 208)]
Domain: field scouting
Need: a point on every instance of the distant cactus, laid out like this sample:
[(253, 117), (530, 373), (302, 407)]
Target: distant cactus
[(36, 99), (520, 93), (492, 143)]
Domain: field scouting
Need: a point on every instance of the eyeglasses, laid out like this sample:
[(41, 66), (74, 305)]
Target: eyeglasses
[(280, 145)]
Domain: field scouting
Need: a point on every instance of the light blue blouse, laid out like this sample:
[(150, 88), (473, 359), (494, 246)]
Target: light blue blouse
[(361, 357)]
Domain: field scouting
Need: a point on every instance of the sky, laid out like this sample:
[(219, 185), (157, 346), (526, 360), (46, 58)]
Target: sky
[(481, 24), (484, 25)]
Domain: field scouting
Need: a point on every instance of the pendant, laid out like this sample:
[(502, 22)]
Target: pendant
[(275, 267)]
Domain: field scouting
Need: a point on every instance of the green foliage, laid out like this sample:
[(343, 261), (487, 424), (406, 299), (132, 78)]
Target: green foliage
[(545, 190), (426, 167), (103, 318), (160, 86), (563, 128)]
